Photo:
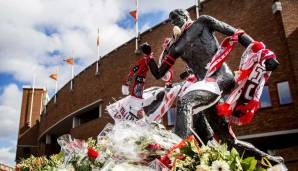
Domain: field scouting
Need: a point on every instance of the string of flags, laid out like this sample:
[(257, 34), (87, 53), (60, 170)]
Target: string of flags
[(70, 60), (54, 76)]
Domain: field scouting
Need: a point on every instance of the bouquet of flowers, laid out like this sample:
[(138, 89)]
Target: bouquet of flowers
[(41, 163), (137, 141), (189, 156), (138, 145)]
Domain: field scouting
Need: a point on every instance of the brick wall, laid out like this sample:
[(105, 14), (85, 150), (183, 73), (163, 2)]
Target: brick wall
[(28, 135), (26, 108)]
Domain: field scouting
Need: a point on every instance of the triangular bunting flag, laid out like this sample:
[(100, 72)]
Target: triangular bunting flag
[(54, 76), (69, 61), (133, 14)]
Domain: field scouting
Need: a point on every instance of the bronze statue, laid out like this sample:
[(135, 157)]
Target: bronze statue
[(196, 44)]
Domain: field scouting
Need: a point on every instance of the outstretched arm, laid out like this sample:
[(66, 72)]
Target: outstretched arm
[(222, 27), (156, 71), (169, 58), (244, 39)]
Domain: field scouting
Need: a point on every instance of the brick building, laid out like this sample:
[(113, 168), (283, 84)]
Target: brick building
[(81, 113)]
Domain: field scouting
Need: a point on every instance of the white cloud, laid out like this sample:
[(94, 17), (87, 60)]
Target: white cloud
[(24, 47), (10, 102), (7, 156)]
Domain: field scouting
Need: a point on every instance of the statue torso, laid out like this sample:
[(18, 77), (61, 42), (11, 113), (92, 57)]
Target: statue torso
[(199, 48)]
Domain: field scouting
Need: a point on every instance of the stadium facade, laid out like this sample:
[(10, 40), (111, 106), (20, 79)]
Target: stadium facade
[(81, 111)]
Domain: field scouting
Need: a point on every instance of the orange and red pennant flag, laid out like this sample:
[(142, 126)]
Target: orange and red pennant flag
[(69, 61), (133, 13), (54, 76)]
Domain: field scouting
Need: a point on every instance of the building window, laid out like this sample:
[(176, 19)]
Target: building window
[(284, 93), (265, 100), (87, 116), (75, 122), (171, 115), (100, 110), (48, 139)]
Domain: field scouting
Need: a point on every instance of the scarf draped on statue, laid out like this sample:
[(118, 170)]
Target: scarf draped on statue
[(242, 103)]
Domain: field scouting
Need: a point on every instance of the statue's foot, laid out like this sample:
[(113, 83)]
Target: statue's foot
[(275, 159), (258, 153)]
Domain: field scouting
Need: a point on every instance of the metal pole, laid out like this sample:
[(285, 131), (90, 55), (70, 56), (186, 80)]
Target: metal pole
[(56, 86), (98, 56), (197, 8), (72, 75), (32, 98), (56, 89), (196, 135), (45, 102), (41, 101), (137, 25), (72, 71)]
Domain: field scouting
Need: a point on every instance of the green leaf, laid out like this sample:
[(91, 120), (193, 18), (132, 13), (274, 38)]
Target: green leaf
[(249, 164), (234, 153), (188, 150)]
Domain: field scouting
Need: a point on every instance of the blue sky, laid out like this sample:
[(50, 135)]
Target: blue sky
[(147, 19), (6, 79), (48, 30), (37, 35)]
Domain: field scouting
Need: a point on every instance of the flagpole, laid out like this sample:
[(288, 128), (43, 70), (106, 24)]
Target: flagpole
[(44, 103), (197, 8), (137, 25), (43, 96), (32, 98), (56, 86), (98, 57), (41, 102), (72, 75), (72, 71)]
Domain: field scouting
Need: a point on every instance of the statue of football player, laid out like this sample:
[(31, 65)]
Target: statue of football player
[(196, 44)]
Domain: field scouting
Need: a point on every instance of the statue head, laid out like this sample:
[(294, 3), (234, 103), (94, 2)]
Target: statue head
[(178, 17)]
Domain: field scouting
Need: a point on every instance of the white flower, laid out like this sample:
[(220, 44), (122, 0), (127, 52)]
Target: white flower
[(220, 165)]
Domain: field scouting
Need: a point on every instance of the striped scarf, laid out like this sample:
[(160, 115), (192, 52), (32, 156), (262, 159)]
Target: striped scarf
[(241, 105)]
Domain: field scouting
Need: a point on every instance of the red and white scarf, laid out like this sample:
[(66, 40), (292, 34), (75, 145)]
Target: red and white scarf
[(168, 77), (222, 53), (241, 105), (243, 102)]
